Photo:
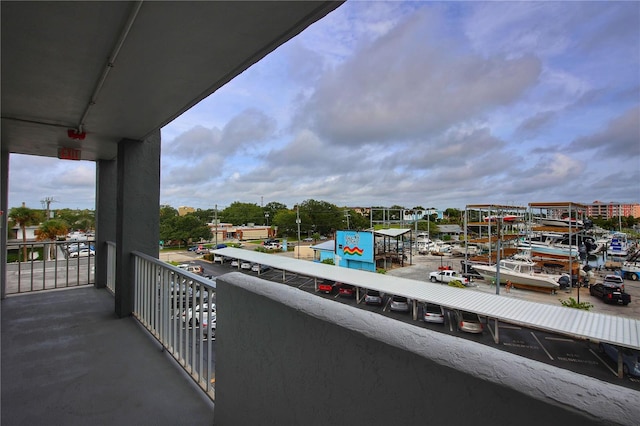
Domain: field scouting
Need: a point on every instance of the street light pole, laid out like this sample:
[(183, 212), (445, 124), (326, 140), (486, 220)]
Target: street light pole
[(298, 222), (215, 220)]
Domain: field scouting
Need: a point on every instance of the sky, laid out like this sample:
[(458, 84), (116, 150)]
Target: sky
[(432, 104)]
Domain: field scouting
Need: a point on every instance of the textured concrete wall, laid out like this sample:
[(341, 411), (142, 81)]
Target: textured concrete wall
[(4, 201), (286, 357), (138, 213), (106, 215)]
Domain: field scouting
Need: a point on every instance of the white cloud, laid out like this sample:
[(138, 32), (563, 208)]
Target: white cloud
[(412, 103)]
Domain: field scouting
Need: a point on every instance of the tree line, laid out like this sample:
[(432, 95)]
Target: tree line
[(314, 218)]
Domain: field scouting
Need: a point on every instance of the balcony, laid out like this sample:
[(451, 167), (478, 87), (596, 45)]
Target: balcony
[(68, 359)]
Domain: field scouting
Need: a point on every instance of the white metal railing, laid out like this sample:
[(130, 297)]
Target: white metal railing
[(178, 308), (45, 265), (111, 267)]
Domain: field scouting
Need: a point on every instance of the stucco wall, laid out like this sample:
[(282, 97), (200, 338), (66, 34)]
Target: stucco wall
[(286, 357)]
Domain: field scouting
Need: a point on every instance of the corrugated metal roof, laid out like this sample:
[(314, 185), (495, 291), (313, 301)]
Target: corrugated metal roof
[(392, 232), (327, 245), (578, 323)]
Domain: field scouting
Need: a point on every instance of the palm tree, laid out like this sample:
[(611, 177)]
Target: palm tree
[(23, 217), (51, 230)]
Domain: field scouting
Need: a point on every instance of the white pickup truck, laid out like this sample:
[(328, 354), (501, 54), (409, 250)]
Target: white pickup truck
[(446, 276)]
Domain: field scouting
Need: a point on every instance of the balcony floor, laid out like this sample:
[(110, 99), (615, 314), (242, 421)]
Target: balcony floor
[(68, 360)]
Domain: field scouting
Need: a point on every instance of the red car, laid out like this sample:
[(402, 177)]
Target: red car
[(326, 286), (346, 290)]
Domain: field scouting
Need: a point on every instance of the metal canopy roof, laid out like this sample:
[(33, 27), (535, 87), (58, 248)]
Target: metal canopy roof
[(392, 232), (122, 70), (556, 319)]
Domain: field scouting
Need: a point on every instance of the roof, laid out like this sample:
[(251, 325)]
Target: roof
[(577, 323), (329, 245), (449, 228), (121, 70), (392, 232)]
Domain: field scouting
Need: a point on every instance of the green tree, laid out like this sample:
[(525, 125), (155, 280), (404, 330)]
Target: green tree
[(167, 212), (23, 217), (50, 231), (285, 221), (242, 213), (185, 228), (271, 209), (454, 215), (320, 216), (206, 216), (82, 220), (358, 221), (377, 213)]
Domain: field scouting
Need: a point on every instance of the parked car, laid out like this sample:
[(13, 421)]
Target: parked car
[(201, 250), (76, 246), (469, 322), (217, 258), (373, 297), (346, 290), (614, 279), (399, 304), (192, 316), (446, 276), (630, 358), (235, 263), (85, 252), (433, 313), (611, 290), (308, 240), (273, 246), (206, 326), (192, 267), (245, 265), (256, 267), (327, 286)]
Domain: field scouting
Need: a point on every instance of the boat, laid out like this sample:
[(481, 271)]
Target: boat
[(520, 273), (554, 245), (564, 222), (618, 245), (506, 218), (630, 268), (458, 250)]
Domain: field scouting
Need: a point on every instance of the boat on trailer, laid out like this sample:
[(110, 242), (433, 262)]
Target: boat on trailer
[(521, 273)]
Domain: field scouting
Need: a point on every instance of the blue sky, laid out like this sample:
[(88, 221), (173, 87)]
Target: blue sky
[(438, 104)]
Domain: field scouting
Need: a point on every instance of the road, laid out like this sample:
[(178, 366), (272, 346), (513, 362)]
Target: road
[(45, 275)]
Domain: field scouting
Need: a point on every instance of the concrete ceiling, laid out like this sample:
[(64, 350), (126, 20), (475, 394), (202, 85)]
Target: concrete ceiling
[(121, 70)]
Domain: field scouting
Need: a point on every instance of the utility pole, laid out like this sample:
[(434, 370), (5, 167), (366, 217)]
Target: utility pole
[(346, 213), (499, 237), (298, 222), (215, 222), (46, 204)]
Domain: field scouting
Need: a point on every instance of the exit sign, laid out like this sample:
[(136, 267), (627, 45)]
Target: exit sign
[(68, 154)]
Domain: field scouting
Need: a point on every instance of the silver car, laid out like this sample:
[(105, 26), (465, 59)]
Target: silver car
[(433, 313), (469, 322), (399, 304), (373, 297)]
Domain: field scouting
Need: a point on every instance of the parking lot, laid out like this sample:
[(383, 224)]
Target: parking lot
[(580, 356)]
